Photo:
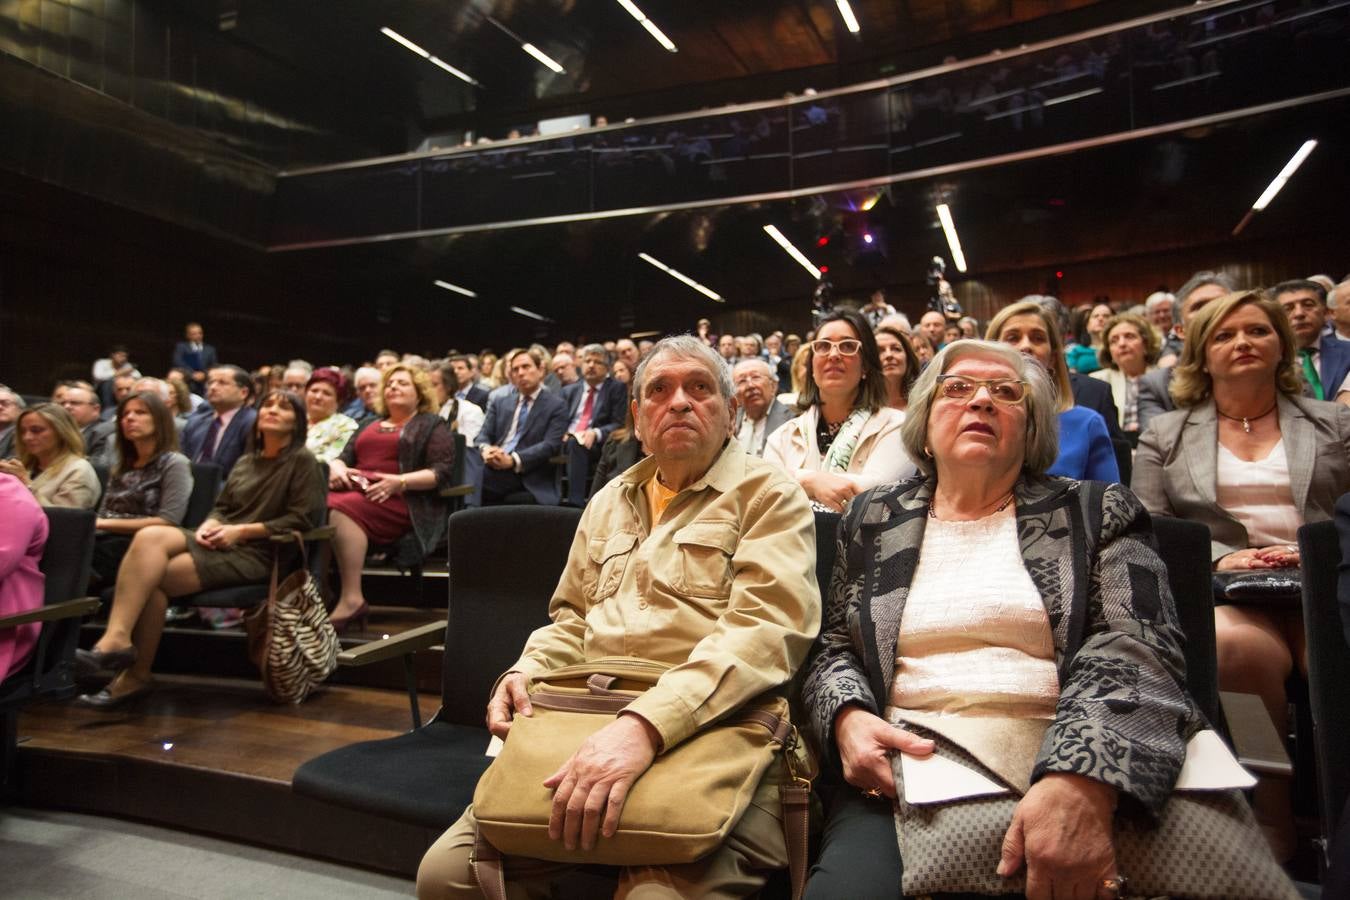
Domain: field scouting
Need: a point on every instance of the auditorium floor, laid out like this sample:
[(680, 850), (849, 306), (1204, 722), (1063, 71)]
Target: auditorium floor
[(48, 854)]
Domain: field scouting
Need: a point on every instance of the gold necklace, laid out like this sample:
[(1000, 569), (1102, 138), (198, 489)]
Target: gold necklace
[(932, 505)]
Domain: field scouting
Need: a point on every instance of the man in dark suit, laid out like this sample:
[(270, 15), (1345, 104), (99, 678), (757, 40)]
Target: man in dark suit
[(521, 434), (1155, 395), (596, 405), (219, 431), (467, 388), (82, 404), (759, 413), (1324, 361), (195, 356)]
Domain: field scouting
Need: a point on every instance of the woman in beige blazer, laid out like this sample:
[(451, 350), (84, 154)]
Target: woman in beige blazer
[(1251, 458), (848, 439), (51, 459)]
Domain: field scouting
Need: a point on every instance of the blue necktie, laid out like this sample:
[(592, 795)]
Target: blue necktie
[(514, 440)]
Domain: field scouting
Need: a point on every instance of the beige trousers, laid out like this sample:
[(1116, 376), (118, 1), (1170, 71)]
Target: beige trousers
[(738, 869)]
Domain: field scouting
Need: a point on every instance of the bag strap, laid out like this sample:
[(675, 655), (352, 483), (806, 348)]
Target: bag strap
[(796, 820), (487, 868)]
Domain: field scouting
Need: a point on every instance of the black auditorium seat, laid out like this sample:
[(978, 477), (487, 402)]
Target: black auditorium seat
[(504, 565)]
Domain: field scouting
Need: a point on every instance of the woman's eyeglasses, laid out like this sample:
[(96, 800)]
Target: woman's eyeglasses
[(846, 347), (1002, 390)]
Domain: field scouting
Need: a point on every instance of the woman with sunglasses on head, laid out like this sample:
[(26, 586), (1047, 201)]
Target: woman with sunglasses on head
[(847, 439)]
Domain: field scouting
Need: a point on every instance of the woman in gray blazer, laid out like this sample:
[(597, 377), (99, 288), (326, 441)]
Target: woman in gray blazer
[(1250, 457)]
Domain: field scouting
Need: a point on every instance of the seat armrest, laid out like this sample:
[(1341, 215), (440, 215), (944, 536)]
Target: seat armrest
[(422, 637), (1257, 744), (459, 490), (322, 533), (66, 609)]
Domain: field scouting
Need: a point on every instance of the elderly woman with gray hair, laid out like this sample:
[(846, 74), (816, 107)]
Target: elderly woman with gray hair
[(989, 606)]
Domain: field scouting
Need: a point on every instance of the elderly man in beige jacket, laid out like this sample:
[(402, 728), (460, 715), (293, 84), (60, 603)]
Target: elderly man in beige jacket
[(702, 557)]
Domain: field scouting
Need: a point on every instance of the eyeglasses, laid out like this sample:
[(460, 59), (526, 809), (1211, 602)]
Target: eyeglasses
[(846, 347), (1003, 390)]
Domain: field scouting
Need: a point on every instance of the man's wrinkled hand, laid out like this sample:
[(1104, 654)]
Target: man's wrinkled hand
[(591, 787), (509, 700)]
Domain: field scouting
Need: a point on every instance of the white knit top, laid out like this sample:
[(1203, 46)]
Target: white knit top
[(1257, 494)]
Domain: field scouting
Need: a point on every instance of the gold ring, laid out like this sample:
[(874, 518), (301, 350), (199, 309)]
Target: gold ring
[(872, 792)]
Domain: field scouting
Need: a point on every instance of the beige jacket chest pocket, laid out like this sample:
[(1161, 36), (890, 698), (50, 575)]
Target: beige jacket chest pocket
[(703, 563), (609, 559)]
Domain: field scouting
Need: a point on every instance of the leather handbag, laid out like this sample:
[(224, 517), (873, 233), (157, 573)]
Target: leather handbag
[(682, 808), (290, 638), (1205, 844)]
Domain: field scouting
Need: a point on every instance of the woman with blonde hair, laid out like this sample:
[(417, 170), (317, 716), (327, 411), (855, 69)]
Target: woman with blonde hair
[(51, 460), (1246, 454), (801, 361), (1085, 449), (384, 483), (1130, 348)]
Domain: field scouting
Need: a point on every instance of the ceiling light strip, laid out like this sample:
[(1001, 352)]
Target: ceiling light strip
[(454, 287), (542, 57), (632, 10), (530, 314), (850, 20), (773, 232), (395, 36), (437, 61), (953, 242), (680, 276), (1285, 174)]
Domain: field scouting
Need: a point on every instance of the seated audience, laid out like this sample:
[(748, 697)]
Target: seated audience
[(84, 408), (937, 585), (627, 351), (218, 432), (621, 372), (273, 489), (848, 439), (185, 403), (595, 406), (11, 404), (1130, 348), (1162, 310), (23, 535), (1085, 356), (51, 459), (384, 484), (1338, 308), (1087, 391), (733, 621), (726, 348), (367, 384), (465, 382), (194, 355), (464, 415), (801, 361), (386, 358), (296, 377), (121, 388), (523, 431), (1247, 455), (622, 450), (149, 484), (1085, 449), (923, 348), (328, 430), (564, 368), (758, 412), (933, 325), (899, 366)]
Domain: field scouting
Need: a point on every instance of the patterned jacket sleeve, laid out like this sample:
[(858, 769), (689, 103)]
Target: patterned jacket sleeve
[(835, 672), (1123, 716)]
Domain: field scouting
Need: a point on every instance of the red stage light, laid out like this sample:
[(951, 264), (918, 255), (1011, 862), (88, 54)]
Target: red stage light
[(1059, 274), (824, 269), (822, 242)]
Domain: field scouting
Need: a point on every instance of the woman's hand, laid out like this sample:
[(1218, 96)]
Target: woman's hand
[(1257, 558), (216, 536), (829, 488), (384, 485), (15, 468), (337, 475), (866, 742), (206, 532), (1062, 830)]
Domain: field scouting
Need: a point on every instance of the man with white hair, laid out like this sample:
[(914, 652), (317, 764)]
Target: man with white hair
[(700, 558), (366, 383), (1162, 312), (1155, 397), (759, 412), (1338, 302), (11, 404), (296, 377)]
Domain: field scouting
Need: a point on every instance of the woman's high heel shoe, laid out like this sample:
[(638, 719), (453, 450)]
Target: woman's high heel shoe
[(361, 615), (89, 663)]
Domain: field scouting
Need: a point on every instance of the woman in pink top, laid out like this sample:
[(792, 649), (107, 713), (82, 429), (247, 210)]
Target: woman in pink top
[(23, 534)]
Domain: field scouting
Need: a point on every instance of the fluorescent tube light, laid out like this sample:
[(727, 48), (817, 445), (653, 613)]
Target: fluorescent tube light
[(391, 33), (542, 57), (949, 227), (773, 232), (437, 61), (850, 20), (454, 287), (680, 276), (632, 10), (1285, 174), (529, 315)]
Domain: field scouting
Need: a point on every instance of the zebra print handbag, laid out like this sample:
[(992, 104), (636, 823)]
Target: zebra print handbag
[(289, 636)]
